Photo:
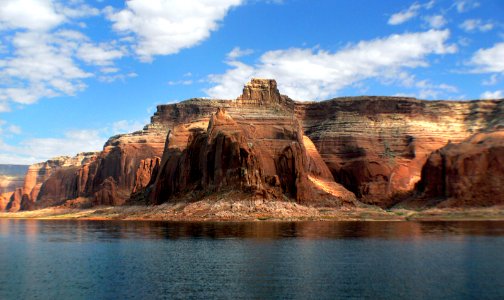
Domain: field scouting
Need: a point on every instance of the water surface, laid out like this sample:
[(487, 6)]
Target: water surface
[(302, 260)]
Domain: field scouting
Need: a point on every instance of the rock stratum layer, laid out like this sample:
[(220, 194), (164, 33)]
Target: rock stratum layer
[(270, 148)]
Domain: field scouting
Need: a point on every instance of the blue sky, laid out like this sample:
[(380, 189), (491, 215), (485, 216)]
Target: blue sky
[(73, 73)]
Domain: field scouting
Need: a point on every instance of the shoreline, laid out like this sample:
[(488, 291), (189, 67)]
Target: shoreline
[(203, 211)]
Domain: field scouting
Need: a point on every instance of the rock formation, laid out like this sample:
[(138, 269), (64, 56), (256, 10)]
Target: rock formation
[(267, 145), (376, 146), (266, 162), (11, 178), (470, 173)]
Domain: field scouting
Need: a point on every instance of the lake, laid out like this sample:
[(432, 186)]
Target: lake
[(56, 259)]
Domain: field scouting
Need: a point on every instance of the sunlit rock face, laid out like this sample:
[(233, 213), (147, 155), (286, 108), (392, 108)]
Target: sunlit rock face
[(373, 147), (470, 173), (53, 181), (260, 92), (376, 146), (265, 162)]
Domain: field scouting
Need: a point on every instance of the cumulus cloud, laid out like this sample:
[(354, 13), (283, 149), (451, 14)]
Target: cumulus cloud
[(492, 95), (471, 25), (43, 59), (41, 15), (489, 60), (29, 14), (162, 27), (42, 66), (309, 74)]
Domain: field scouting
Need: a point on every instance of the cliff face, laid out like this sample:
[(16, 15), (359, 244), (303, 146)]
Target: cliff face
[(264, 161), (470, 173), (11, 178), (376, 146), (265, 144)]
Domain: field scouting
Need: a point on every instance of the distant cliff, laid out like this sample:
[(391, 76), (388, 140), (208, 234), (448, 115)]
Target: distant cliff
[(336, 152), (11, 178)]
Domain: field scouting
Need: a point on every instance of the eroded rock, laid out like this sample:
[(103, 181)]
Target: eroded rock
[(470, 173)]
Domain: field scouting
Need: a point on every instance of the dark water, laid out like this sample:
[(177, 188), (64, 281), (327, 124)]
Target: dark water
[(309, 260)]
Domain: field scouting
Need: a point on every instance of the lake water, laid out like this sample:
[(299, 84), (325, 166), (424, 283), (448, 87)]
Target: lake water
[(305, 260)]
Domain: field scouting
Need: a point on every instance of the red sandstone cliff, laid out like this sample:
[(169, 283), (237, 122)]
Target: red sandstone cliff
[(263, 161), (373, 146), (470, 173), (376, 146)]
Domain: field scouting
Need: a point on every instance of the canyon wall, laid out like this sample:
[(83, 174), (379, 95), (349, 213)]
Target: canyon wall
[(376, 146), (470, 173), (370, 147), (267, 158)]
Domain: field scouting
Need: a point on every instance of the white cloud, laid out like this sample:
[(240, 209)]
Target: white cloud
[(115, 77), (163, 27), (40, 149), (9, 129), (428, 90), (39, 15), (44, 60), (471, 25), (492, 80), (435, 21), (316, 74), (489, 60), (100, 55), (108, 70), (405, 15), (4, 107), (77, 11), (14, 129), (125, 126), (465, 5), (180, 82), (42, 66), (71, 142), (492, 95), (238, 52)]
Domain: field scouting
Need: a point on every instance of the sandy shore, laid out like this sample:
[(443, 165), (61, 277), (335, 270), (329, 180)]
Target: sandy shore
[(223, 210)]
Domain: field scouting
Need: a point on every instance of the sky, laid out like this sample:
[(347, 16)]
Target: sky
[(75, 72)]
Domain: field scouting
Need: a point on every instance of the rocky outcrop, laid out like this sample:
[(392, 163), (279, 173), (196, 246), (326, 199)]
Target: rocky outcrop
[(373, 147), (470, 173), (376, 146), (11, 177), (38, 174), (54, 181), (263, 161), (14, 203), (146, 173)]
